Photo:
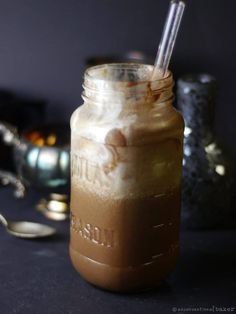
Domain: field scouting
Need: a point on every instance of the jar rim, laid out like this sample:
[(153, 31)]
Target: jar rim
[(91, 72)]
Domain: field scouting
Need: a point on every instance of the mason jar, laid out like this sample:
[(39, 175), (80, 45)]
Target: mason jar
[(126, 163)]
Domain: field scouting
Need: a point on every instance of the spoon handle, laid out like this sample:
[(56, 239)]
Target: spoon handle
[(3, 220)]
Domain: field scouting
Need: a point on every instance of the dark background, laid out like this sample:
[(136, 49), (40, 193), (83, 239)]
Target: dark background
[(43, 48), (44, 45)]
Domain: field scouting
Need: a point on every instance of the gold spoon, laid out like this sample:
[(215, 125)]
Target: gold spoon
[(27, 229)]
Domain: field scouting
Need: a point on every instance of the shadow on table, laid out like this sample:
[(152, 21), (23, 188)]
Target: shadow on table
[(206, 269), (58, 237)]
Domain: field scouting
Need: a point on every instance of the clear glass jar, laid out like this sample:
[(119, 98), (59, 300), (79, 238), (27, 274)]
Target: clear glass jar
[(126, 164)]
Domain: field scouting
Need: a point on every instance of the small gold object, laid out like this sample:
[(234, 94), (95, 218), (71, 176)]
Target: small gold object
[(58, 197), (55, 208)]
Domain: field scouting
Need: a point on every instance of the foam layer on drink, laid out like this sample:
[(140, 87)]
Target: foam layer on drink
[(117, 100)]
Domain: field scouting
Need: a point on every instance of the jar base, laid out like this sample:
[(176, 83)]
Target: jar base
[(124, 279)]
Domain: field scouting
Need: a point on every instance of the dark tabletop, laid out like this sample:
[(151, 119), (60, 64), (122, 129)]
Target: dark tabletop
[(37, 276)]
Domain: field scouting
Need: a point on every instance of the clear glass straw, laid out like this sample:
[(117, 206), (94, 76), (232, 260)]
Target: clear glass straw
[(169, 35)]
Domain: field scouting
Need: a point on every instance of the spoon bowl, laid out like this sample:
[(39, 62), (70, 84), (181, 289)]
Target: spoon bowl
[(27, 229)]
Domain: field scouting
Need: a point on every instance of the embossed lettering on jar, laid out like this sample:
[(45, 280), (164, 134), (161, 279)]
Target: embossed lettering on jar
[(126, 153)]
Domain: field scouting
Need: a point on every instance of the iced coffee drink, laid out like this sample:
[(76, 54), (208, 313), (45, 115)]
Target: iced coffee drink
[(126, 156)]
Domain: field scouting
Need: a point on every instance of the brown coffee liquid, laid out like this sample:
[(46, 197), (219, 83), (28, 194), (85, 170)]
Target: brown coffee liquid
[(124, 244), (130, 241)]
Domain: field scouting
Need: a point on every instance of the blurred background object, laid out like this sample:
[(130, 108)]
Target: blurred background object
[(54, 207), (7, 178), (45, 45), (209, 176), (22, 112), (41, 154)]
